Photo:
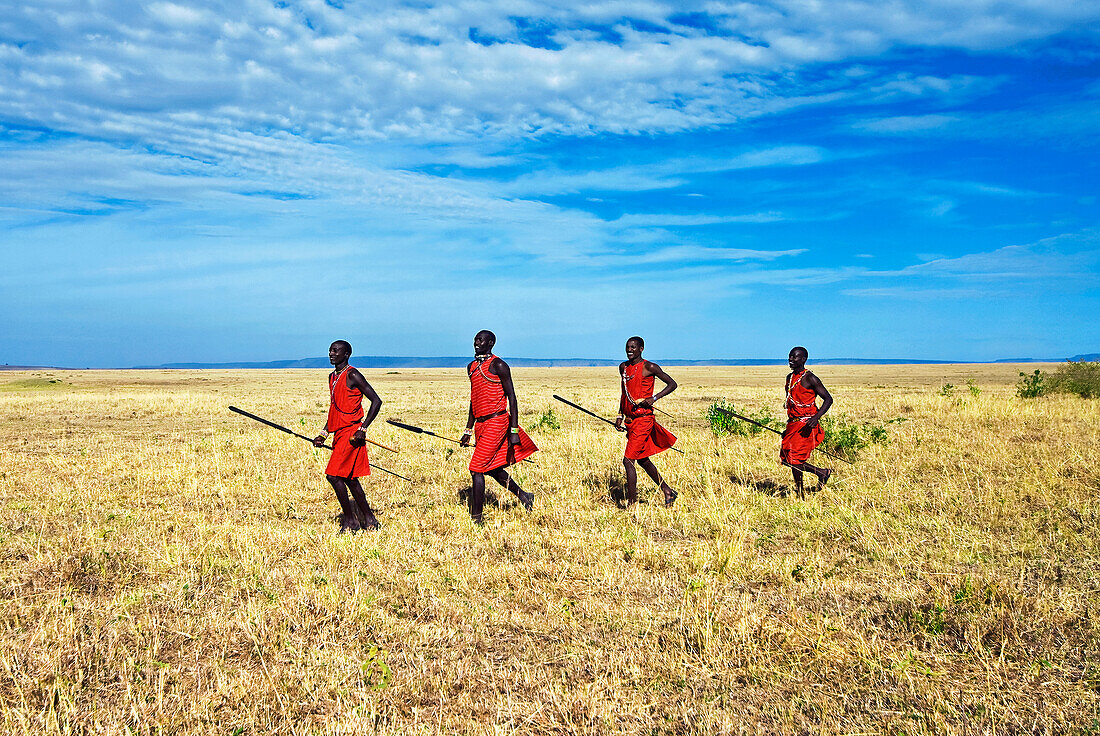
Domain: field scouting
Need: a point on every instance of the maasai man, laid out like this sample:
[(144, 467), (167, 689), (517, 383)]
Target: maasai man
[(348, 427), (644, 436), (803, 431), (494, 423)]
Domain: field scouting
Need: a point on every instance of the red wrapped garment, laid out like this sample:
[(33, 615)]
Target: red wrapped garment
[(644, 436), (796, 446), (492, 449), (345, 414)]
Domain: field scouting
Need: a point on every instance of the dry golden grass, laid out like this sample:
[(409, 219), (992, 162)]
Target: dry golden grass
[(169, 567)]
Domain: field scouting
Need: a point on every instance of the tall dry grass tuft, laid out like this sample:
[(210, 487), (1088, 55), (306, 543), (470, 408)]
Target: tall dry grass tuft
[(168, 567)]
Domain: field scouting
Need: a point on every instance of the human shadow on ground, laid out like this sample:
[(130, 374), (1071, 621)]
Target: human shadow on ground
[(491, 498), (615, 486), (767, 487)]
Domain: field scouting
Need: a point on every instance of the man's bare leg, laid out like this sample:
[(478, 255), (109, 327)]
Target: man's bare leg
[(821, 473), (799, 490), (631, 481), (367, 520), (500, 475), (651, 471), (350, 522), (477, 497)]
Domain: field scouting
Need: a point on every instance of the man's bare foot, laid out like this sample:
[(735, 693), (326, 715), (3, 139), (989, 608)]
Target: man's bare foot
[(527, 499), (823, 478), (800, 492), (670, 495), (348, 524)]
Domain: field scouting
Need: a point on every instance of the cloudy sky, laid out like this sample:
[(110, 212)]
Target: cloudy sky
[(247, 180)]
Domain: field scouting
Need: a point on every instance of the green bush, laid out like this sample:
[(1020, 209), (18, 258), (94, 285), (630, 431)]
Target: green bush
[(1031, 385), (723, 424), (947, 389), (973, 388), (547, 420), (847, 438), (1080, 377)]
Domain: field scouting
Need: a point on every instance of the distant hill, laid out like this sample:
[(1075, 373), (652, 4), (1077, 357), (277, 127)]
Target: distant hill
[(1091, 357), (397, 361)]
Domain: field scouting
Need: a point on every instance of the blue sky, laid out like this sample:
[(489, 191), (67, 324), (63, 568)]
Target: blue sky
[(249, 180)]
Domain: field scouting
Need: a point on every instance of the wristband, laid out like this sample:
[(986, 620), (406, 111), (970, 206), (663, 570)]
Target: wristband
[(325, 432), (514, 430), (467, 432)]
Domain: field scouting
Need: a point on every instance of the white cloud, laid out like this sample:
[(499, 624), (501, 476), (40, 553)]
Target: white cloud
[(666, 173), (906, 123), (409, 70), (627, 221)]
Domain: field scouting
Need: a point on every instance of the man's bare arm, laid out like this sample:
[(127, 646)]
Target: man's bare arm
[(505, 374), (357, 381), (823, 393), (670, 385)]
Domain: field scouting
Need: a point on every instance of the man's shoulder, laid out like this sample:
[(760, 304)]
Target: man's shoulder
[(354, 374)]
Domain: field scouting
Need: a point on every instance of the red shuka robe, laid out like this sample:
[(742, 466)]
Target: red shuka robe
[(644, 436), (795, 447), (345, 414), (492, 449)]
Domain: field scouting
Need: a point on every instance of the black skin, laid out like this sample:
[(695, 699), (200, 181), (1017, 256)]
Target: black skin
[(358, 515), (797, 361), (633, 357), (483, 345)]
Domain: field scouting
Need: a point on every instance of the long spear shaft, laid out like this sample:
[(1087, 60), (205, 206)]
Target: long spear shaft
[(281, 428), (421, 430), (597, 416), (773, 429)]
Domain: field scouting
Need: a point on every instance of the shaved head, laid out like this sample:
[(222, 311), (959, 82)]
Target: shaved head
[(344, 344)]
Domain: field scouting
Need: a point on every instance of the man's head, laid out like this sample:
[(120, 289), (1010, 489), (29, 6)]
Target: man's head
[(797, 358), (634, 347), (484, 342), (339, 352)]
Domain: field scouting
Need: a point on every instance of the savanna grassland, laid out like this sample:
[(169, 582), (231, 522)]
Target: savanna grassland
[(169, 567)]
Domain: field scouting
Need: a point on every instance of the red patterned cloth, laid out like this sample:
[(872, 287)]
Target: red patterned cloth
[(491, 422), (345, 414), (795, 447), (644, 436)]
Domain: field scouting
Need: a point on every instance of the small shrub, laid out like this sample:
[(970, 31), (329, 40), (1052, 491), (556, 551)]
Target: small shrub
[(973, 388), (1080, 377), (847, 438), (723, 424), (947, 389), (376, 673), (1031, 385), (547, 420)]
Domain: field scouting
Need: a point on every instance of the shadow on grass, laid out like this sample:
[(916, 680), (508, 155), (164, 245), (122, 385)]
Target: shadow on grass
[(491, 498), (613, 485), (767, 487)]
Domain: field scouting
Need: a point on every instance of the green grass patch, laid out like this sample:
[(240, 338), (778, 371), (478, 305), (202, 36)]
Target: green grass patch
[(35, 384)]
